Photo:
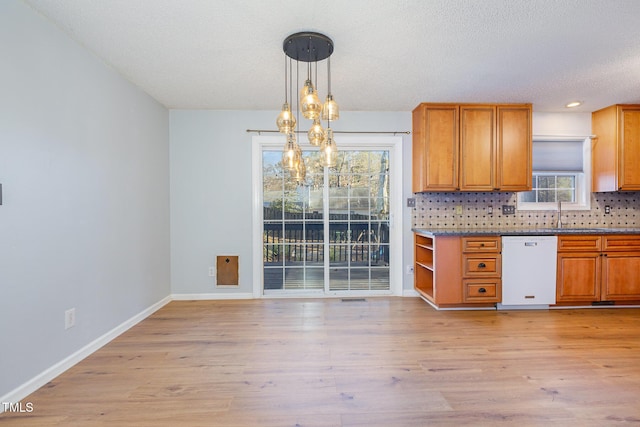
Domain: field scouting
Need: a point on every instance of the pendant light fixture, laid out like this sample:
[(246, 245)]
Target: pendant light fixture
[(309, 47)]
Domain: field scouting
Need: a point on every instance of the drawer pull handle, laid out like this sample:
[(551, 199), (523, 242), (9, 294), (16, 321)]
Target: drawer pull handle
[(482, 291), (482, 244), (482, 265)]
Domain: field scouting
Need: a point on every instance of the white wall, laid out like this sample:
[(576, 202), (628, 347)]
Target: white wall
[(85, 217), (211, 193), (561, 124)]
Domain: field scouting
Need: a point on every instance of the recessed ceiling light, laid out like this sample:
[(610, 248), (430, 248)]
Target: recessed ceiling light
[(573, 104)]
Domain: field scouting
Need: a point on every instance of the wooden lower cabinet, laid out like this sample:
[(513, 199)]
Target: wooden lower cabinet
[(437, 269), (455, 271), (595, 268)]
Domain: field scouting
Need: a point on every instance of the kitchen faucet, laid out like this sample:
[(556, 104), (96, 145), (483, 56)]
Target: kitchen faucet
[(559, 224)]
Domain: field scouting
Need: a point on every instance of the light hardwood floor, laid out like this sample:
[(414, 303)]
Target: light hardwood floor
[(380, 362)]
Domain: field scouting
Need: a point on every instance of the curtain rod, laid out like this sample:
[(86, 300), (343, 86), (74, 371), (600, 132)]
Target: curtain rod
[(395, 132), (564, 136)]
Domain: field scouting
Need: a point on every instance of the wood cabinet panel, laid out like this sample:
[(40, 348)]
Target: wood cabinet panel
[(447, 269), (435, 147), (482, 265), (578, 277), (481, 244), (621, 276), (418, 158), (621, 243), (514, 148), (477, 147), (630, 148), (604, 150), (482, 290), (582, 243)]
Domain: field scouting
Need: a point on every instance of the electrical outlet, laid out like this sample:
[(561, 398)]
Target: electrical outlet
[(489, 210), (70, 318), (607, 209), (411, 202), (409, 269), (212, 271), (458, 209), (508, 210)]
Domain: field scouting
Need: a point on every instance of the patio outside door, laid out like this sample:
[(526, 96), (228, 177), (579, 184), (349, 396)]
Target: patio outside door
[(331, 235)]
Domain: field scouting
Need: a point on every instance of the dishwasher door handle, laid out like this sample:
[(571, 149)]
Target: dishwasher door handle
[(531, 243)]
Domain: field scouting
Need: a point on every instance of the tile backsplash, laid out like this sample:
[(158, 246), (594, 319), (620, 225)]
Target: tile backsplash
[(484, 210)]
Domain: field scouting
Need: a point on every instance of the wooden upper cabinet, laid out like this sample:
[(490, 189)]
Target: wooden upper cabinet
[(616, 148), (472, 147), (435, 147), (514, 148)]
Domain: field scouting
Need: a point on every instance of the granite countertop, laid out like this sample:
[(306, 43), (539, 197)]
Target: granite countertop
[(523, 231)]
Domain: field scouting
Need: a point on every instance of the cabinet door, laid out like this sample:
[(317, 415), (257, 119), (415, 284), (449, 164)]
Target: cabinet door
[(621, 276), (629, 129), (435, 147), (477, 147), (578, 277), (514, 150)]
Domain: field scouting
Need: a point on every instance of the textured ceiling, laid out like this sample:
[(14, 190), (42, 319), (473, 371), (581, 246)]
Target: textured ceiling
[(389, 55)]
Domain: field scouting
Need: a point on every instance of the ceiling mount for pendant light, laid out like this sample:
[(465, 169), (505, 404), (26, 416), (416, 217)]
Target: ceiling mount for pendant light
[(308, 47)]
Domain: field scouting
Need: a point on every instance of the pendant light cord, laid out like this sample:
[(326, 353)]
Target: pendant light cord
[(285, 79)]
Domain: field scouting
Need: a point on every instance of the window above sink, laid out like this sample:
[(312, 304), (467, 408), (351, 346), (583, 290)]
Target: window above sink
[(561, 172)]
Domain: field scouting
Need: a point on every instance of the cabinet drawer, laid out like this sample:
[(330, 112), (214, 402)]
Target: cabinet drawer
[(621, 243), (586, 243), (482, 265), (480, 244), (488, 290)]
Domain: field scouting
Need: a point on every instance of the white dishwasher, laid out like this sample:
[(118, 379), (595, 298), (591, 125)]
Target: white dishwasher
[(528, 271)]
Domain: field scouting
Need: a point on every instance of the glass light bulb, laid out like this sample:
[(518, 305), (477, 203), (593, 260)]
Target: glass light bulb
[(330, 109), (286, 121), (291, 152), (316, 133), (310, 105), (299, 173), (329, 150)]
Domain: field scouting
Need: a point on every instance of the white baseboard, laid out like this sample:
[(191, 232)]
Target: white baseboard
[(38, 381), (410, 293), (217, 296)]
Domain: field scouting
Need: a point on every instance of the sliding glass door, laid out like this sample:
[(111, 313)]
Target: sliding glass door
[(332, 234)]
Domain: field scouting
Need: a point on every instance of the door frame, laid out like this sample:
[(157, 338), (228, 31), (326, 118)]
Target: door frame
[(345, 142)]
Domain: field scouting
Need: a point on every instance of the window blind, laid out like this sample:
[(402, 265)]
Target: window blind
[(557, 156)]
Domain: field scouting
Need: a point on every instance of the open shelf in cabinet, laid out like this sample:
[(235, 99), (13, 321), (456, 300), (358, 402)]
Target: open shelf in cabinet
[(423, 269)]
